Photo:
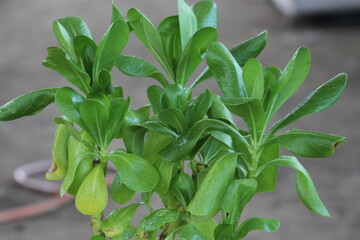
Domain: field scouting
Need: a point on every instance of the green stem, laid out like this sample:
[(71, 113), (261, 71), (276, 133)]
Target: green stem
[(96, 222)]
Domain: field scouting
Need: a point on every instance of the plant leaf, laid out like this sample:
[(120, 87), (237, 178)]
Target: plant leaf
[(159, 218), (190, 232), (253, 78), (120, 193), (58, 61), (205, 202), (251, 224), (174, 118), (199, 107), (85, 49), (188, 22), (206, 14), (226, 70), (153, 144), (165, 170), (155, 95), (28, 104), (138, 67), (183, 188), (218, 110), (136, 173), (319, 100), (116, 14), (207, 228), (68, 102), (304, 184)]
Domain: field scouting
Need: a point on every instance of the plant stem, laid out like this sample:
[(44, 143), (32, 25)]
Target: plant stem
[(96, 222)]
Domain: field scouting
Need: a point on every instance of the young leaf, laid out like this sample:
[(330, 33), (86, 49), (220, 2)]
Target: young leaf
[(92, 196), (174, 118), (188, 22), (226, 70), (309, 144), (58, 61), (253, 78), (244, 51), (138, 67), (190, 232), (252, 224), (319, 100), (66, 29), (237, 195), (165, 170), (149, 36), (199, 107), (153, 144), (120, 193), (176, 97), (155, 95), (206, 14), (218, 110), (68, 101), (224, 232), (193, 53), (110, 46), (290, 80), (183, 188), (207, 228), (136, 172), (159, 218), (85, 49), (118, 221), (205, 202), (28, 104), (116, 14), (304, 184), (266, 180)]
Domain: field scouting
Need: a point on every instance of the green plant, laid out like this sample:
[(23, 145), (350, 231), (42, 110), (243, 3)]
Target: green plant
[(177, 133)]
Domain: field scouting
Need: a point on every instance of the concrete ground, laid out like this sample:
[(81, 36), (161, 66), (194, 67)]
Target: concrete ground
[(25, 32)]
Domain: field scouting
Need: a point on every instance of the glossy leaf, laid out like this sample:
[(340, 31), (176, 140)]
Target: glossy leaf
[(319, 100), (252, 224), (194, 53), (218, 110), (206, 14), (199, 107), (120, 193), (158, 219), (207, 228), (253, 78), (136, 173), (304, 184), (58, 61), (119, 108), (165, 170), (159, 128), (127, 235), (153, 144), (66, 29), (174, 118), (226, 70), (92, 196), (118, 221), (28, 104), (224, 232), (116, 14), (183, 188), (188, 22), (244, 51), (85, 49), (237, 195), (68, 102), (266, 181), (110, 46), (271, 76), (309, 144), (251, 111), (205, 202), (149, 36), (175, 97), (155, 95), (190, 232), (70, 127), (290, 80), (138, 67)]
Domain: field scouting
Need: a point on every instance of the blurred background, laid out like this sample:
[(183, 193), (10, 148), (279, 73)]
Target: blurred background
[(25, 33)]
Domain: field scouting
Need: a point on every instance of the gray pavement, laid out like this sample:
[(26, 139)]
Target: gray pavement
[(25, 32)]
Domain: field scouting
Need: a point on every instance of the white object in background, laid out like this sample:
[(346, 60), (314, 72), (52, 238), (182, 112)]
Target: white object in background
[(295, 8)]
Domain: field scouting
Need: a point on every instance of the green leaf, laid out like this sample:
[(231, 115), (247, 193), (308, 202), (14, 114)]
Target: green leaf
[(66, 29), (207, 228), (194, 53), (205, 203), (214, 147), (92, 196), (183, 188), (116, 14), (120, 193), (304, 184), (237, 195), (206, 14), (85, 49), (119, 108), (169, 30), (69, 126), (244, 51), (174, 118), (226, 70), (266, 180), (190, 232), (127, 235), (290, 80), (118, 221), (251, 111), (199, 107), (136, 173), (138, 67), (309, 144), (28, 104), (185, 143), (175, 97), (159, 218), (68, 102), (155, 95), (153, 144), (253, 78), (188, 22), (224, 232), (159, 128), (58, 61), (218, 110), (271, 76), (97, 237), (165, 170), (110, 46), (252, 224), (104, 82), (149, 36), (319, 100)]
